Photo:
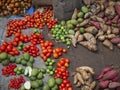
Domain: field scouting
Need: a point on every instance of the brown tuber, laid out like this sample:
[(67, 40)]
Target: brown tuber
[(91, 29), (108, 44), (90, 46), (113, 85)]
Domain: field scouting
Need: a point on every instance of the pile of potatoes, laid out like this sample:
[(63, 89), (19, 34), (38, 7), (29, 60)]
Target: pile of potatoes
[(83, 78), (98, 20), (12, 7)]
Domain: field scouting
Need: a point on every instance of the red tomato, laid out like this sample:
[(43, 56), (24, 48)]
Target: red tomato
[(9, 47)]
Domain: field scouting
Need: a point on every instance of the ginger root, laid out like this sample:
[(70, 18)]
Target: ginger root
[(91, 29), (90, 37), (90, 46)]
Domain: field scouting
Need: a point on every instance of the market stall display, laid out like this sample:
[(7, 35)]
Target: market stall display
[(95, 21)]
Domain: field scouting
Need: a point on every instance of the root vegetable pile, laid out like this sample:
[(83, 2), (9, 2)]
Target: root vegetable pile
[(96, 21), (83, 78), (109, 79)]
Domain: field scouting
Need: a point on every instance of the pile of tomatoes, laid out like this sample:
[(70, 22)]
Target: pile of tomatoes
[(32, 49), (36, 38), (18, 38), (46, 49), (15, 83), (36, 20), (57, 52), (8, 48), (62, 72), (9, 70)]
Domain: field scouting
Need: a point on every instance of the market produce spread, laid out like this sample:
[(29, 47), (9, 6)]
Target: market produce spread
[(97, 20)]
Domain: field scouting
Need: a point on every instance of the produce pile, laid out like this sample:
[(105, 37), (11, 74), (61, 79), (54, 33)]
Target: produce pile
[(83, 78), (93, 22), (12, 7), (97, 20), (109, 79)]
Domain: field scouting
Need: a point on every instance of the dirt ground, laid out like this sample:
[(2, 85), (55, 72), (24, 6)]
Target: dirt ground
[(78, 56)]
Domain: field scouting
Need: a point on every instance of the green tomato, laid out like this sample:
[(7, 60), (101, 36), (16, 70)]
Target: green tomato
[(62, 23), (54, 32), (20, 68), (82, 30), (84, 9), (57, 38), (48, 60), (62, 28), (53, 36), (66, 33), (72, 32), (15, 70), (50, 68), (18, 72), (51, 63), (47, 70), (68, 42), (51, 72), (80, 20), (62, 37), (63, 40), (80, 15), (46, 63)]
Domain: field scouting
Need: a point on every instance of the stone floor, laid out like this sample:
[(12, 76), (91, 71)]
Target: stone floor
[(78, 56)]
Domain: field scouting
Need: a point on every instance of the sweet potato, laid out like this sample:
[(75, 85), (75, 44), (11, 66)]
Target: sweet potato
[(117, 8), (118, 88), (115, 79), (113, 85), (104, 84), (106, 69), (115, 19), (115, 40), (100, 76), (108, 44), (110, 75), (109, 22), (96, 24)]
